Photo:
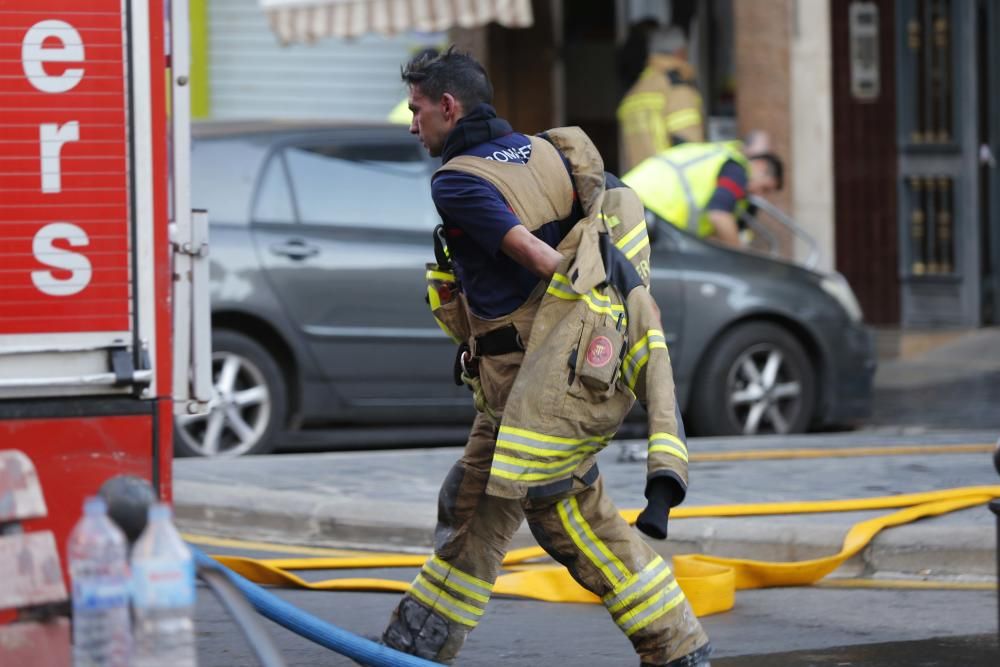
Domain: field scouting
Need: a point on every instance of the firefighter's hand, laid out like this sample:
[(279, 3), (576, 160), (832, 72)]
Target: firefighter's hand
[(659, 496)]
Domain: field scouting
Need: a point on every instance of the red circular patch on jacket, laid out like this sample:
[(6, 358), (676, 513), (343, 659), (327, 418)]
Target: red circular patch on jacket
[(600, 351)]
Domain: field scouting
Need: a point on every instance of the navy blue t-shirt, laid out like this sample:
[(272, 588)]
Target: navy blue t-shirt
[(476, 218), (730, 189)]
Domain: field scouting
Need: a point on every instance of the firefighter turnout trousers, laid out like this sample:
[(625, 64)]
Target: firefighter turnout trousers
[(579, 528)]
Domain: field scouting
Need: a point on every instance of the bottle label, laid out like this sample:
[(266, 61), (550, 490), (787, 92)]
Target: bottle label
[(100, 593), (163, 583)]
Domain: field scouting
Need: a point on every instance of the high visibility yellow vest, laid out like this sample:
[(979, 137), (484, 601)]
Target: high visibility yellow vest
[(401, 114), (677, 183)]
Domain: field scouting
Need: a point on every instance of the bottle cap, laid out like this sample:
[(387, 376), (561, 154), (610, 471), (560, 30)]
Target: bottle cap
[(159, 511), (94, 506)]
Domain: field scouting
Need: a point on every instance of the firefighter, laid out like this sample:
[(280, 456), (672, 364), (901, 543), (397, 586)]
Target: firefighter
[(501, 235), (702, 187), (663, 108)]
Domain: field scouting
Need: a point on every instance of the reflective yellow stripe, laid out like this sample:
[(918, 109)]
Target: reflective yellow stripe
[(446, 574), (638, 356), (441, 608), (561, 287), (612, 221), (589, 545), (551, 438), (507, 445), (639, 104), (433, 298), (443, 276), (667, 449), (644, 242), (464, 576), (449, 599), (638, 236), (544, 465), (523, 471), (674, 597), (635, 360), (657, 568), (625, 240), (670, 444), (678, 120), (613, 310), (608, 554), (531, 476), (656, 339)]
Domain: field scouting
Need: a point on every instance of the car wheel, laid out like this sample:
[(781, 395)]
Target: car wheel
[(247, 406), (756, 379)]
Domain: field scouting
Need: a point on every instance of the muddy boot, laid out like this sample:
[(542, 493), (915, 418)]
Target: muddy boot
[(696, 658), (416, 630)]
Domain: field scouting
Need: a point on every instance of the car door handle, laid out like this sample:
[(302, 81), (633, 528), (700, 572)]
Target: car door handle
[(295, 249)]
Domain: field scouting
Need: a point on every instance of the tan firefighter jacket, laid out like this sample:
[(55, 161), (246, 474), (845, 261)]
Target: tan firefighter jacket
[(661, 109), (596, 344)]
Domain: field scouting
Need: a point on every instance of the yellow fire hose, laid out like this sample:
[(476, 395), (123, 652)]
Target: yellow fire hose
[(709, 582)]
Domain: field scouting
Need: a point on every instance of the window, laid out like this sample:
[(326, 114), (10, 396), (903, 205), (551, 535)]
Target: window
[(274, 199), (222, 178), (362, 192)]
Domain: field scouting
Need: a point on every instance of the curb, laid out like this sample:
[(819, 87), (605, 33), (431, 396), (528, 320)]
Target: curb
[(281, 517)]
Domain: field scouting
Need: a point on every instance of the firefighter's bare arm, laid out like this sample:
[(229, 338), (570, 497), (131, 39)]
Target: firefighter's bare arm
[(726, 230), (531, 252)]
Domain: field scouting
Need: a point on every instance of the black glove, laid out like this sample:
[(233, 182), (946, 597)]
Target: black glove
[(660, 492)]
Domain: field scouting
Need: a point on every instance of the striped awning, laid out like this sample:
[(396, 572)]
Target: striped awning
[(309, 20)]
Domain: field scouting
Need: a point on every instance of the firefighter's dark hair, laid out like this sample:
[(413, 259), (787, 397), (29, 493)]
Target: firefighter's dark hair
[(450, 72), (774, 166)]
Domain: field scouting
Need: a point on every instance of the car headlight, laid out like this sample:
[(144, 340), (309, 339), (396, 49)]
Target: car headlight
[(836, 286)]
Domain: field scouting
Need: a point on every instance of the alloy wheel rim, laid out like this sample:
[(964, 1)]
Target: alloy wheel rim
[(238, 413), (764, 391)]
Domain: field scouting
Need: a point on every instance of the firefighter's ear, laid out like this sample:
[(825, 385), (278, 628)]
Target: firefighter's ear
[(451, 108)]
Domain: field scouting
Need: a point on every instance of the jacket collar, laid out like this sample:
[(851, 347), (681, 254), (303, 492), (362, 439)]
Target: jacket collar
[(476, 127)]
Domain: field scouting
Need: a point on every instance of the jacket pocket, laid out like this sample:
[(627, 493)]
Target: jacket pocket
[(592, 394)]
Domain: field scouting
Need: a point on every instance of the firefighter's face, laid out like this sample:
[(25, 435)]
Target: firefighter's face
[(433, 119), (762, 182)]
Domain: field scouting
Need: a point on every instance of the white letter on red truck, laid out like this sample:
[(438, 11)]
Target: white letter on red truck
[(45, 252), (34, 55), (52, 137)]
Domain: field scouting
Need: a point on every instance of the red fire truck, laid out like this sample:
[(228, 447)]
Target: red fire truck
[(103, 277)]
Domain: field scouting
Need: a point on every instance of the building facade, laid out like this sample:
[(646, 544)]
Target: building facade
[(884, 111)]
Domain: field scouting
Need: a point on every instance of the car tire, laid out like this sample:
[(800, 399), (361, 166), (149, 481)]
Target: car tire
[(248, 403), (755, 379)]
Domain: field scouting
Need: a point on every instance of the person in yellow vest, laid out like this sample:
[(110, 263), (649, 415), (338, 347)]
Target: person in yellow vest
[(703, 187), (663, 108)]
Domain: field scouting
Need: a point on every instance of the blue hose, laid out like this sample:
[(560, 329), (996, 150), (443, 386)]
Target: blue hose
[(310, 627)]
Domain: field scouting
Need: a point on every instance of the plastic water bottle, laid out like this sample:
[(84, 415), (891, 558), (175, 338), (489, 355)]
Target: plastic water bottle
[(98, 568), (163, 595)]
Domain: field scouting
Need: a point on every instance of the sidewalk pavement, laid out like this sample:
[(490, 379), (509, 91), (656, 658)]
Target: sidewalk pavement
[(956, 385), (387, 500)]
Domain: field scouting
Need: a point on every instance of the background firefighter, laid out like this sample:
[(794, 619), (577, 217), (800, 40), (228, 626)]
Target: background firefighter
[(504, 256)]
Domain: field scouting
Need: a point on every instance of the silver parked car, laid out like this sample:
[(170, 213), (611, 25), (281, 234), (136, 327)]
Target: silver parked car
[(319, 238)]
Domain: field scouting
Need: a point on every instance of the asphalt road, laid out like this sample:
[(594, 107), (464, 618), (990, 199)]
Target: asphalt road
[(777, 627)]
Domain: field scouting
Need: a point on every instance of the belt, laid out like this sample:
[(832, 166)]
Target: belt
[(504, 340)]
